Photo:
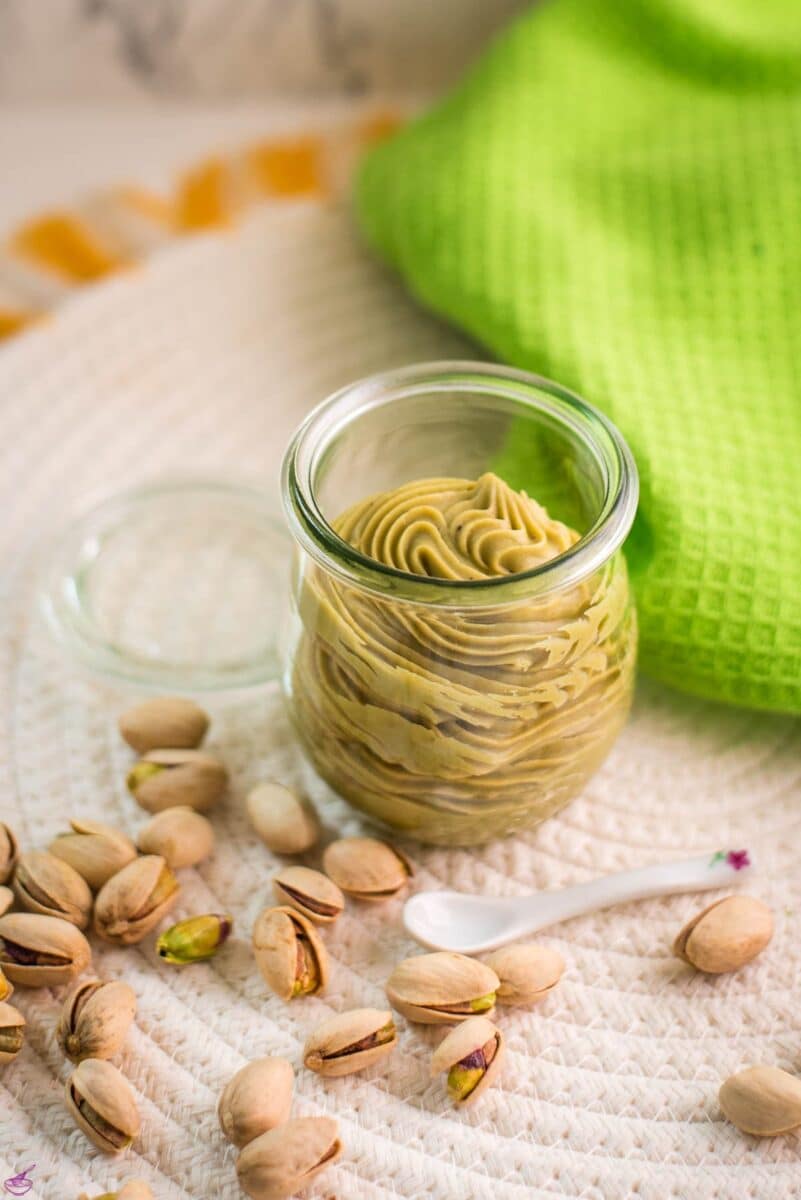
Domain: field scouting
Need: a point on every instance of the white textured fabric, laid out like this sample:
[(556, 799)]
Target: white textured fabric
[(206, 359)]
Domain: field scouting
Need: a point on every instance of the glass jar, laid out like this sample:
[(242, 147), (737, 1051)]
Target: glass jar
[(458, 711)]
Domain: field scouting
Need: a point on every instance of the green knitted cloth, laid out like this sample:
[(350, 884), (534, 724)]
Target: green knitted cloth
[(612, 198)]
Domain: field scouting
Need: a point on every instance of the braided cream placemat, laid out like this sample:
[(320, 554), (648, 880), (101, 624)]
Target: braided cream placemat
[(205, 360)]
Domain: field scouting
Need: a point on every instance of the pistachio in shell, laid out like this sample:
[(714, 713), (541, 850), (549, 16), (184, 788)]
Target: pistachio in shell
[(41, 951), (726, 935), (527, 972), (95, 1019), (283, 1161), (94, 850), (256, 1099), (350, 1042), (134, 1189), (310, 892), (763, 1101), (45, 884), (180, 835), (102, 1104), (9, 852), (135, 900), (164, 721), (285, 822), (194, 939), (289, 953), (12, 1032), (6, 899), (435, 989), (366, 868), (471, 1054), (172, 778)]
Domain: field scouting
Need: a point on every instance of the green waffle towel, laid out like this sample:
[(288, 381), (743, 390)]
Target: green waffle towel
[(612, 198)]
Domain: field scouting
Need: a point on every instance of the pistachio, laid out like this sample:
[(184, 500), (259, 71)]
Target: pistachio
[(764, 1101), (310, 892), (257, 1098), (6, 899), (471, 1054), (180, 835), (285, 823), (527, 973), (12, 1032), (164, 721), (168, 778), (6, 988), (434, 989), (40, 951), (45, 884), (9, 851), (366, 868), (134, 1189), (350, 1042), (283, 1161), (195, 939), (289, 953), (726, 935), (134, 900), (102, 1104), (95, 1019), (95, 851)]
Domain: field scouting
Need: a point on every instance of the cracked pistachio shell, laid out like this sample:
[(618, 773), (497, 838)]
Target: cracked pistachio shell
[(12, 1032), (134, 1189), (726, 935), (366, 868), (350, 1042), (527, 973), (180, 835), (9, 852), (6, 899), (289, 953), (257, 1098), (164, 721), (284, 821), (94, 850), (282, 1161), (764, 1101), (434, 989), (40, 951), (471, 1054), (45, 884), (171, 778), (102, 1104), (134, 900), (310, 892), (95, 1019)]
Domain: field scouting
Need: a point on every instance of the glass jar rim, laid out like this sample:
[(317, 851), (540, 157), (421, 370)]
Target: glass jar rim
[(318, 538)]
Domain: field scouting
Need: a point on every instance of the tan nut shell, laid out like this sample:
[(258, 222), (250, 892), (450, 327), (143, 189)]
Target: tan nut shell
[(9, 852), (765, 1101), (257, 1098), (6, 899), (282, 1161), (463, 1040), (10, 1018), (45, 884), (420, 986), (125, 911), (164, 721), (44, 935), (275, 948), (95, 1019), (304, 889), (94, 850), (323, 1052), (366, 868), (110, 1095), (527, 972), (180, 835), (726, 935), (190, 778), (285, 823)]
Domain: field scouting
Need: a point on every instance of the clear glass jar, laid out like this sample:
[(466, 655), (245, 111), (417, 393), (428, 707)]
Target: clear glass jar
[(459, 711)]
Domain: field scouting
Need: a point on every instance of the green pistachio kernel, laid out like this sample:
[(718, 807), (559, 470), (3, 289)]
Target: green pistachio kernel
[(194, 939), (306, 975), (139, 773), (483, 1003), (463, 1080)]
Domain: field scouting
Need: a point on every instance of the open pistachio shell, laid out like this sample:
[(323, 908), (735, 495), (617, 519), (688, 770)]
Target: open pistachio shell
[(726, 935), (435, 989), (134, 1189), (180, 835), (102, 1104), (45, 884), (350, 1042), (40, 951), (12, 1032), (257, 1098), (135, 900), (764, 1101), (171, 778), (527, 972), (282, 1161), (284, 821), (471, 1054), (289, 953), (164, 721), (9, 852), (366, 868), (95, 1019), (310, 892), (94, 850)]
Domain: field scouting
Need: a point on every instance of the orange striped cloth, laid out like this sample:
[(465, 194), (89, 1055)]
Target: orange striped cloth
[(46, 258)]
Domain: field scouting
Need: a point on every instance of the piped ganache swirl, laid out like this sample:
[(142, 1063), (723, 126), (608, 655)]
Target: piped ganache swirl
[(461, 722)]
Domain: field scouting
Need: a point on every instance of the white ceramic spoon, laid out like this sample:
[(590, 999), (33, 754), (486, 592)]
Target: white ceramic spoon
[(472, 924)]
